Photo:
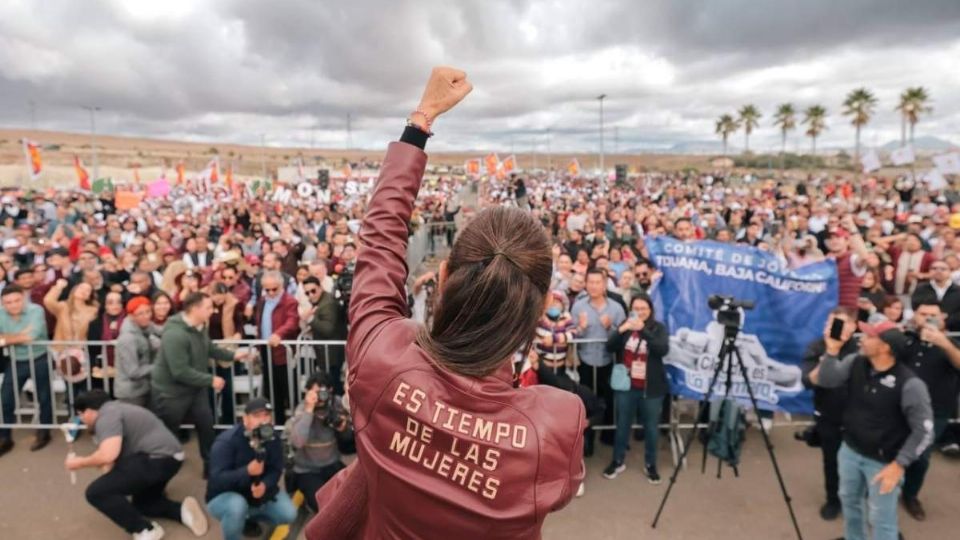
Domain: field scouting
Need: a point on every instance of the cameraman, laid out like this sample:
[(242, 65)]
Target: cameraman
[(829, 404), (318, 425), (245, 467), (935, 359)]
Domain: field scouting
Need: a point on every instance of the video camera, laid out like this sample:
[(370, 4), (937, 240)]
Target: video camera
[(259, 437), (728, 309)]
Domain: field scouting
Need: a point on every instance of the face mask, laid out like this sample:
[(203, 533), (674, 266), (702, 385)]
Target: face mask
[(554, 313)]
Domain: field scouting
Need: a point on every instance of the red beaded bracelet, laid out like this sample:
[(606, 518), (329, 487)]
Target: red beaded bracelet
[(426, 119)]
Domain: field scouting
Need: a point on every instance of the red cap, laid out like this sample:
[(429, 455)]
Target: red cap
[(136, 303), (874, 330), (252, 260), (104, 251), (840, 232)]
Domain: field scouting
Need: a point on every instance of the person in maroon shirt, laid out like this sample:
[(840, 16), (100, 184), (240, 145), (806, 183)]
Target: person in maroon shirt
[(446, 446)]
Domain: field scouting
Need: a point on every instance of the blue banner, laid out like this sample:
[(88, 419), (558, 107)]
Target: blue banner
[(791, 309)]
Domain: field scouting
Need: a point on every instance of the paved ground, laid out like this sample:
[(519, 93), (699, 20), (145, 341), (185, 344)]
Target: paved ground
[(37, 500)]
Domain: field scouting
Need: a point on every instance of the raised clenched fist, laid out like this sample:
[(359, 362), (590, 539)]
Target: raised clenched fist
[(446, 87)]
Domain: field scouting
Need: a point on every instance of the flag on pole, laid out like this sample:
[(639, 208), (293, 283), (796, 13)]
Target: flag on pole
[(180, 173), (870, 161), (101, 184), (229, 176), (472, 167), (947, 163), (492, 161), (573, 168), (902, 156), (31, 151), (82, 177), (509, 164)]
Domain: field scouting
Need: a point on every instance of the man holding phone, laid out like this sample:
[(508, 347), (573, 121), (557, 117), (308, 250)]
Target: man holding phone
[(887, 425), (935, 359), (829, 403)]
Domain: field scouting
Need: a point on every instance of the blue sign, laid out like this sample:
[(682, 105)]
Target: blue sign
[(791, 309)]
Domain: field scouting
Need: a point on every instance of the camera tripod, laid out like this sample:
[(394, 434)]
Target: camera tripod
[(729, 353)]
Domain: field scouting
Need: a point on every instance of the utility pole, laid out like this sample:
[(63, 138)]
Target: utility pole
[(263, 156), (93, 140), (549, 154), (349, 134), (601, 97), (616, 140)]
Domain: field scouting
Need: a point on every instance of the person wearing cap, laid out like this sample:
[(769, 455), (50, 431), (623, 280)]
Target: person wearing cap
[(935, 359), (244, 484), (136, 349), (887, 423), (846, 247), (138, 457)]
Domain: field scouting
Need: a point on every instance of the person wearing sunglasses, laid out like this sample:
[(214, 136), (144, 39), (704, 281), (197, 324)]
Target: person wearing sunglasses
[(327, 324)]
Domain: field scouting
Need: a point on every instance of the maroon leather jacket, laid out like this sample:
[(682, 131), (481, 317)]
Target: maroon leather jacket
[(285, 323), (441, 455)]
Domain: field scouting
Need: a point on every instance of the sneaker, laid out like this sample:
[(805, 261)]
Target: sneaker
[(914, 508), (155, 532), (830, 510), (582, 489), (192, 516), (951, 449), (614, 469), (252, 529), (652, 475)]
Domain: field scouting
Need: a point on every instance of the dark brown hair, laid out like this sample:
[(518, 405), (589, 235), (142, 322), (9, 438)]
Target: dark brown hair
[(498, 275)]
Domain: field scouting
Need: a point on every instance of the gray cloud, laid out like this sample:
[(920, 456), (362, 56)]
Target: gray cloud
[(230, 70)]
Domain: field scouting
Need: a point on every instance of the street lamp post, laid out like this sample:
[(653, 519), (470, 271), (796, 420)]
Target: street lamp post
[(93, 140), (601, 98)]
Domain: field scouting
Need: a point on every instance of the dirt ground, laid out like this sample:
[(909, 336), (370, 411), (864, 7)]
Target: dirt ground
[(37, 500)]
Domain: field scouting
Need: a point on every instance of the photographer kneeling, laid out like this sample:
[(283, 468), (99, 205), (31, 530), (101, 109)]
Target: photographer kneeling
[(245, 467), (315, 430)]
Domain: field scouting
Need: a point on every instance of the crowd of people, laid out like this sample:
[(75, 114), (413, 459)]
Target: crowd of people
[(161, 283)]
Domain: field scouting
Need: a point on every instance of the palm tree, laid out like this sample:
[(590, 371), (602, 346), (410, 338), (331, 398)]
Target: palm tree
[(815, 119), (749, 116), (859, 105), (726, 125), (913, 101), (786, 119)]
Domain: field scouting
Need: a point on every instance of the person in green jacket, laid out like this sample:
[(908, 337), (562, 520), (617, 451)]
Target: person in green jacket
[(181, 374)]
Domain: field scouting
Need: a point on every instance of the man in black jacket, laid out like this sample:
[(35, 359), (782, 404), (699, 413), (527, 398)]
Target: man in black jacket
[(245, 467), (935, 359), (327, 324), (941, 291), (829, 404)]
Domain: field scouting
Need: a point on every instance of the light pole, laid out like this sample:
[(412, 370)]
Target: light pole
[(93, 140), (601, 98)]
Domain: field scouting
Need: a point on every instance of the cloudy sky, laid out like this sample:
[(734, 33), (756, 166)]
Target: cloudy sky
[(293, 71)]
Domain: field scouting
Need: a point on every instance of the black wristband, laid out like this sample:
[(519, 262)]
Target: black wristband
[(415, 136)]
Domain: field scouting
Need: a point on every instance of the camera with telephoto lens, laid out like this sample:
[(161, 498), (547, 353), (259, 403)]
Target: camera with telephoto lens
[(728, 309), (260, 436)]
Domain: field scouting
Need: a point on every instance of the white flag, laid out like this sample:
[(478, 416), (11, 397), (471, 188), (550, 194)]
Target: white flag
[(935, 180), (902, 156), (870, 161), (947, 163)]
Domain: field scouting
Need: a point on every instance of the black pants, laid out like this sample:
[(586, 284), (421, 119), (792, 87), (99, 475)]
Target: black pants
[(603, 391), (276, 384), (311, 482), (830, 439), (174, 411), (142, 477)]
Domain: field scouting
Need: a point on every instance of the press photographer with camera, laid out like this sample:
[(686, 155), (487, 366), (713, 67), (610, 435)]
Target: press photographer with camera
[(935, 359), (314, 433), (829, 403), (245, 467)]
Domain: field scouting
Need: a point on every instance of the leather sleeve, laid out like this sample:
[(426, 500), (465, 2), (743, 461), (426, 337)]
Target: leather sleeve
[(378, 284)]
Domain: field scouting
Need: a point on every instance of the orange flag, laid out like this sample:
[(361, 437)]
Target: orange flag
[(509, 164), (472, 167), (179, 173), (31, 152), (492, 162), (573, 168), (125, 200), (229, 177), (214, 166), (82, 177)]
